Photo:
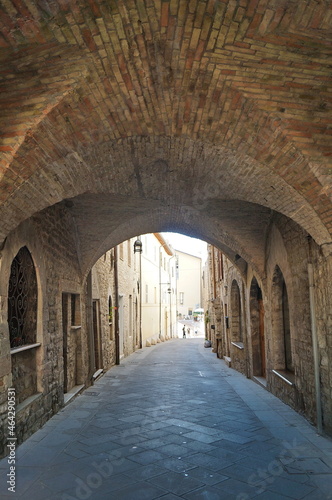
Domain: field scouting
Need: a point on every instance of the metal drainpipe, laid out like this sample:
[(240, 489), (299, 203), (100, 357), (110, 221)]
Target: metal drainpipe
[(315, 349)]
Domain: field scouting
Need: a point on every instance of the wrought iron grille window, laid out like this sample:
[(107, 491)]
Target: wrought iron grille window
[(22, 300)]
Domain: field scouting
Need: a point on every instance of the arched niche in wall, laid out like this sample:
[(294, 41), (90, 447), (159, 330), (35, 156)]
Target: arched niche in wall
[(282, 345), (257, 330), (236, 314)]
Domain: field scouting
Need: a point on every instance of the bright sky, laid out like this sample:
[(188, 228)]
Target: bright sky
[(187, 244)]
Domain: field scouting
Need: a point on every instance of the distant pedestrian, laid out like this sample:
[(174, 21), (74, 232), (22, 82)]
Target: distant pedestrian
[(188, 330), (184, 332)]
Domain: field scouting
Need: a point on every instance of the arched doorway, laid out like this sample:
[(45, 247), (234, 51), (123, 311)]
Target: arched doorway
[(257, 330)]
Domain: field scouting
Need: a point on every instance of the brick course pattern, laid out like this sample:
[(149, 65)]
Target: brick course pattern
[(250, 82)]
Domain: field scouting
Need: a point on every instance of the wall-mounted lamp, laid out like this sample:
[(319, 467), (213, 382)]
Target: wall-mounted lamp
[(138, 247)]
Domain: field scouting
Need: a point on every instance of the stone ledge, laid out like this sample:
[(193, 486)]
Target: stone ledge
[(97, 374), (68, 396), (28, 401), (16, 350), (287, 377), (228, 361), (260, 381), (239, 345)]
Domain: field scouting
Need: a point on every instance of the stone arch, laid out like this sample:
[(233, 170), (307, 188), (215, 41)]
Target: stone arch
[(205, 177), (281, 325), (257, 329)]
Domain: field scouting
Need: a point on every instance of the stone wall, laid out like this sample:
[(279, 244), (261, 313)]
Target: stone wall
[(323, 306), (49, 238), (62, 361), (102, 289), (288, 250)]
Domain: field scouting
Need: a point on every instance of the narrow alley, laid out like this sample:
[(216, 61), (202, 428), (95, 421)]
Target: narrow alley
[(172, 421)]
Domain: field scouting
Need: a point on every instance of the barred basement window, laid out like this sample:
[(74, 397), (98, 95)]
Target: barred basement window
[(22, 300)]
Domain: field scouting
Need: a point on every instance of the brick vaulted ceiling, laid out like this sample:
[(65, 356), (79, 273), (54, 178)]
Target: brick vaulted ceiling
[(201, 116)]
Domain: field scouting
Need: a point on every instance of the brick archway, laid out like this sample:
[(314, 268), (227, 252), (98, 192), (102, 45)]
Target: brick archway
[(193, 107)]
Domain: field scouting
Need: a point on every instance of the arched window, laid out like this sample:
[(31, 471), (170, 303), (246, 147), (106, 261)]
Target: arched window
[(22, 300), (237, 334), (22, 324), (281, 323)]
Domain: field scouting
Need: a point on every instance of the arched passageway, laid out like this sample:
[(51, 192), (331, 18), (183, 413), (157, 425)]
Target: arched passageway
[(208, 118)]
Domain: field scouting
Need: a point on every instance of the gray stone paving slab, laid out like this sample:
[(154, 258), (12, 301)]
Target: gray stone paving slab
[(208, 493), (269, 495), (238, 489), (38, 492), (177, 483), (206, 476), (148, 457), (145, 472), (170, 496), (289, 488), (141, 491), (205, 460), (176, 464), (173, 422)]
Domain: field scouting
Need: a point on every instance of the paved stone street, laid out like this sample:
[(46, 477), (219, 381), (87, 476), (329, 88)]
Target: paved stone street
[(172, 421)]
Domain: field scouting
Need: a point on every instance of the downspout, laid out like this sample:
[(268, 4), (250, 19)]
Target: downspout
[(116, 316), (315, 349)]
